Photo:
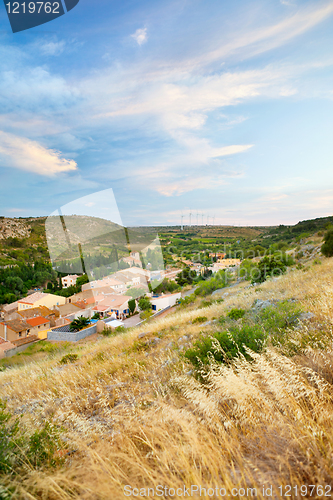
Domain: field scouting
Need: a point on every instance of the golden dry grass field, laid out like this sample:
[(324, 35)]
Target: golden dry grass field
[(132, 413)]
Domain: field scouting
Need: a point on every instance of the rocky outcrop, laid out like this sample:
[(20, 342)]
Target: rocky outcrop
[(13, 228)]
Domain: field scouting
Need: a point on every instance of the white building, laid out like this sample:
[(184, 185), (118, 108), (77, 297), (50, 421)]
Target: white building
[(164, 301), (69, 280)]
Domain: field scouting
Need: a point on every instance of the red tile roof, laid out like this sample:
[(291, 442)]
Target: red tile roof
[(39, 320)]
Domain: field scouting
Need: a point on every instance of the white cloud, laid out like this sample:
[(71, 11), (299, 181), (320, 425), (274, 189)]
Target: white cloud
[(230, 150), (52, 48), (140, 36), (24, 154)]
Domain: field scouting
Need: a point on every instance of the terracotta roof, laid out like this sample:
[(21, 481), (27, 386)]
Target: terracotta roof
[(37, 321), (37, 311), (26, 340), (6, 346), (10, 307), (17, 325), (101, 308)]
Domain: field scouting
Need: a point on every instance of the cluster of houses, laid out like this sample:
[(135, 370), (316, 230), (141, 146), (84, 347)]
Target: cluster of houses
[(39, 315), (220, 264), (36, 316)]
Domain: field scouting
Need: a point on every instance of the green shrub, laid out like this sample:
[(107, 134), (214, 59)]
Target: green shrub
[(146, 314), (42, 447), (276, 319), (9, 443), (269, 266), (17, 447), (226, 345), (327, 247), (120, 329), (199, 319), (144, 304), (108, 332), (236, 313), (183, 302), (69, 358)]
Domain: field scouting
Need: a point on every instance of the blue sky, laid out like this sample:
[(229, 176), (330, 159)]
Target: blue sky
[(222, 108)]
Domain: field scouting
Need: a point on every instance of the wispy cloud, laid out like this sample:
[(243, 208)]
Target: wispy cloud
[(140, 36), (24, 154), (52, 48)]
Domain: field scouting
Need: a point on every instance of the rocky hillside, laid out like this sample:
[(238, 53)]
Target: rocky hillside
[(14, 228), (140, 410)]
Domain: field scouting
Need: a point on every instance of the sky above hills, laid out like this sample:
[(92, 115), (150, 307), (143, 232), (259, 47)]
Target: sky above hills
[(219, 108)]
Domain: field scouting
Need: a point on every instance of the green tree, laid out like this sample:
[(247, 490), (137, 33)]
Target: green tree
[(79, 323), (186, 277), (14, 283), (269, 266), (82, 280), (145, 304), (132, 305), (135, 292), (327, 247)]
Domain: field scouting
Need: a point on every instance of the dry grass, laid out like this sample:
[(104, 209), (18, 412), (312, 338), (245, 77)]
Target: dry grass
[(136, 417)]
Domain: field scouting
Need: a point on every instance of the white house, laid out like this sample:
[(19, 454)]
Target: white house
[(164, 301), (69, 280)]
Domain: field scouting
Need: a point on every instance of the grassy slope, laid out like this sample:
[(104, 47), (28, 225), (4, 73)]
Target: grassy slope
[(137, 417)]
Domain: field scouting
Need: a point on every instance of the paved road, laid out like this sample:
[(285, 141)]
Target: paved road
[(132, 321), (189, 292)]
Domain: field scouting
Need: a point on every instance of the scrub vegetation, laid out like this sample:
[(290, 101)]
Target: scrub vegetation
[(239, 396)]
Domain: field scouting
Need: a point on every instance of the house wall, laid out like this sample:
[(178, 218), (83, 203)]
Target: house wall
[(40, 332), (11, 334), (165, 301), (71, 336), (49, 301)]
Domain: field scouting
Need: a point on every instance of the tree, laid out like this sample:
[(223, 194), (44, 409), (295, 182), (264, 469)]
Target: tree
[(79, 323), (145, 304), (82, 280), (132, 305), (186, 277), (135, 292), (269, 266), (14, 283), (327, 247)]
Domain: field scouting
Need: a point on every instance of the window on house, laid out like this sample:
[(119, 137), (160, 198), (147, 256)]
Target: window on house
[(20, 334)]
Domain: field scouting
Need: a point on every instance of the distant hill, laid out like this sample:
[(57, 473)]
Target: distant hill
[(24, 239)]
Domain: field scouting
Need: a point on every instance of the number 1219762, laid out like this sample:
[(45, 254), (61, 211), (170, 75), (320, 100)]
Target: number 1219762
[(33, 7)]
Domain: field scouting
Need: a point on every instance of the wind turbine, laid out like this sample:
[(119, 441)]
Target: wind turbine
[(202, 219), (190, 214), (197, 217), (181, 225)]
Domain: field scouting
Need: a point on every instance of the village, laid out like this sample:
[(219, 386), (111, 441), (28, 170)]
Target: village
[(104, 302)]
